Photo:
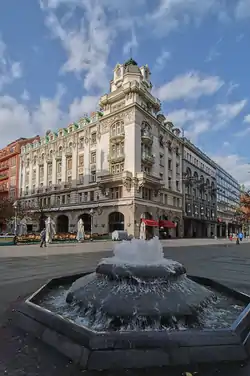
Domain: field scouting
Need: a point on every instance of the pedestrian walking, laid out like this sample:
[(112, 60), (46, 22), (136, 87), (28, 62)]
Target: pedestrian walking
[(43, 238), (241, 236), (237, 238)]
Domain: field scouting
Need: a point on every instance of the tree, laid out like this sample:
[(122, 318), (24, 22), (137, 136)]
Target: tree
[(6, 209)]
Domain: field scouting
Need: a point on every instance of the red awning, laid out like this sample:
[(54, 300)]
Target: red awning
[(150, 222), (167, 224)]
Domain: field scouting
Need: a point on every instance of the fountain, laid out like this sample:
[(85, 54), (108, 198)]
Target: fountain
[(139, 310)]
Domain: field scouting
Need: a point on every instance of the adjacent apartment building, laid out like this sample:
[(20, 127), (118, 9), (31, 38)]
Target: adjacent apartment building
[(228, 201), (114, 169), (9, 167), (199, 192)]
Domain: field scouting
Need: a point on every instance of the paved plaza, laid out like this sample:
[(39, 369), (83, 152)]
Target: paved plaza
[(97, 246), (20, 275)]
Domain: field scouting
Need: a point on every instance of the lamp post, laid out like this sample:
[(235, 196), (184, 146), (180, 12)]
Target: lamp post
[(15, 218), (91, 212)]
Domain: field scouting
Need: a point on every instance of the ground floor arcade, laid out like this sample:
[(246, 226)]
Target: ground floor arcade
[(122, 216), (196, 228), (224, 229)]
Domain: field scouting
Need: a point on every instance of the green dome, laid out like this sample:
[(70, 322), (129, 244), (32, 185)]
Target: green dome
[(130, 62)]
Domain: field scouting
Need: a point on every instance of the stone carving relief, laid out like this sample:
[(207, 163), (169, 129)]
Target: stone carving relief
[(125, 115), (127, 183)]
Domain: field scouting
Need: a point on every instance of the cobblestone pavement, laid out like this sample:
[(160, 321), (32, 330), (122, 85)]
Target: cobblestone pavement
[(21, 354)]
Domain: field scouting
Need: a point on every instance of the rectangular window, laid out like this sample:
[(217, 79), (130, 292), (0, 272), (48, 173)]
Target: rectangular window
[(93, 138), (58, 167), (116, 193), (69, 163), (92, 196), (81, 143), (93, 157), (146, 193), (81, 161), (170, 164), (93, 177)]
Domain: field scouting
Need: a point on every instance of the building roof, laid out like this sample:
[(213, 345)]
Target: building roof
[(130, 62)]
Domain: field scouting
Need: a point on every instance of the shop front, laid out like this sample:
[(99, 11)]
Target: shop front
[(159, 228)]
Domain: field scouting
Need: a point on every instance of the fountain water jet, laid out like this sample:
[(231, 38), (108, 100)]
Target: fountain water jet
[(139, 310), (138, 285)]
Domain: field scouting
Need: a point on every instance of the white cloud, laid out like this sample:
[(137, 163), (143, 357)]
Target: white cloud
[(227, 112), (9, 70), (25, 96), (242, 9), (131, 45), (191, 85), (226, 144), (196, 122), (231, 87), (171, 15), (237, 166), (247, 119), (24, 121), (243, 133), (213, 52), (161, 60), (87, 45)]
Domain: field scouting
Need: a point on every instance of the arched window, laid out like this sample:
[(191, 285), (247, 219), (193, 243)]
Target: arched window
[(117, 128)]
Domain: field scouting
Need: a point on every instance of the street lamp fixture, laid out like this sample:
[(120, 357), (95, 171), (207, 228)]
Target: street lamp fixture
[(91, 212), (15, 206)]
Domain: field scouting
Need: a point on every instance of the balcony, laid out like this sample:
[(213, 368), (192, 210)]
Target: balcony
[(3, 176), (68, 152), (4, 166), (117, 137), (116, 158), (147, 138), (148, 158), (151, 180), (58, 155), (109, 179)]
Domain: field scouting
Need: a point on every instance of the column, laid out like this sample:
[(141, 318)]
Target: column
[(174, 170), (64, 169), (54, 171), (74, 164), (226, 230), (37, 175), (45, 179), (22, 175)]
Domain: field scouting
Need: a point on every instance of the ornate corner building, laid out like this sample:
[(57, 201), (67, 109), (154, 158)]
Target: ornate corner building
[(111, 169)]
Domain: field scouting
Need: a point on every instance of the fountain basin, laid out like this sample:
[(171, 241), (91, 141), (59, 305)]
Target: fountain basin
[(95, 350)]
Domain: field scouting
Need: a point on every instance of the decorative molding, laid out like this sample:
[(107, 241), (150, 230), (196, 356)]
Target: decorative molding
[(124, 115)]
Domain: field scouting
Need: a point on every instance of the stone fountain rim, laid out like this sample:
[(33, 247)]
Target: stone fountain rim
[(82, 344)]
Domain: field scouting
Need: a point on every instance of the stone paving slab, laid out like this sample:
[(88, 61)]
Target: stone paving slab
[(23, 355), (34, 250)]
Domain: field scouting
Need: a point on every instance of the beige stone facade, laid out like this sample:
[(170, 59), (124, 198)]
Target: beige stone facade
[(124, 159)]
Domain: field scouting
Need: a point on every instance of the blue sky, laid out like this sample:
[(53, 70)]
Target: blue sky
[(57, 57)]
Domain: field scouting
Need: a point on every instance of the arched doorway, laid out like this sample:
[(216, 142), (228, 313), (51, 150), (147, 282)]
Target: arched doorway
[(86, 218), (62, 224), (116, 221)]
